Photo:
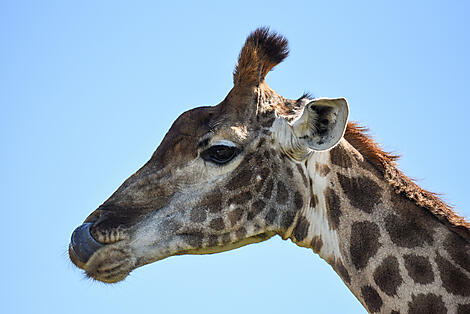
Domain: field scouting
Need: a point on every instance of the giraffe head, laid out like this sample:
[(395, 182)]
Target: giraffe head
[(223, 176)]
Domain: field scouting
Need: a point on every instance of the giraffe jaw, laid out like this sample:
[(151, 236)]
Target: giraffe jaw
[(230, 246), (112, 263)]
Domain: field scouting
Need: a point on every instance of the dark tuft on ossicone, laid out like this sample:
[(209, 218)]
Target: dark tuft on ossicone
[(273, 45), (262, 51)]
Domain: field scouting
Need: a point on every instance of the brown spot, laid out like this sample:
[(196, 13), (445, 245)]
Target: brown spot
[(364, 242), (259, 160), (256, 208), (387, 276), (313, 200), (271, 215), (333, 204), (241, 178), (371, 298), (264, 114), (282, 194), (240, 233), (198, 215), (426, 303), (301, 229), (226, 238), (194, 239), (212, 201), (362, 192), (340, 157), (217, 224), (407, 232), (267, 155), (322, 169), (419, 268), (212, 241), (287, 219), (459, 250), (453, 279), (235, 215), (289, 172), (173, 226), (263, 174), (341, 270), (267, 132), (302, 174), (463, 309), (316, 244), (246, 162), (268, 122), (298, 200), (241, 198), (261, 142), (269, 189)]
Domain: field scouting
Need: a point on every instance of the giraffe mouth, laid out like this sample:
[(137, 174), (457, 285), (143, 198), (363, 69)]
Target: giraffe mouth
[(106, 262), (82, 245)]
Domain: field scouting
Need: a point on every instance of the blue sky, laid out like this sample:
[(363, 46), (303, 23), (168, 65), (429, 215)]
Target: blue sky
[(89, 88)]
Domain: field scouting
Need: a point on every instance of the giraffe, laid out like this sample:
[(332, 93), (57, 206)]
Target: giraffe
[(259, 165)]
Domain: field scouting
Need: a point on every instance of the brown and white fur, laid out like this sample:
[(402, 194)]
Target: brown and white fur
[(258, 165)]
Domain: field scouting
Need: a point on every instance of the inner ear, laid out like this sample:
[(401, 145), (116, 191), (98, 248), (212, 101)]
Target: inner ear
[(322, 123)]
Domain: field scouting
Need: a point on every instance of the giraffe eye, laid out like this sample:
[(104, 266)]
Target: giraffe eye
[(220, 154)]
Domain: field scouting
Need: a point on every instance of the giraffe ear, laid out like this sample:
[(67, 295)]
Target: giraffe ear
[(322, 123)]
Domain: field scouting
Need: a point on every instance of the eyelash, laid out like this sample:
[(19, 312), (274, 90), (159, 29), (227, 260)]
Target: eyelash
[(220, 154)]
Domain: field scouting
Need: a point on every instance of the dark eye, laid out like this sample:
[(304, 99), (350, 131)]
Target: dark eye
[(220, 154)]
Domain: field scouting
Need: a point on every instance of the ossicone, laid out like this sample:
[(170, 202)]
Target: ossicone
[(262, 51)]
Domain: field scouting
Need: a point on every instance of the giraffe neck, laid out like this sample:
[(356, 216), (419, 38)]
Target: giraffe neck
[(392, 254)]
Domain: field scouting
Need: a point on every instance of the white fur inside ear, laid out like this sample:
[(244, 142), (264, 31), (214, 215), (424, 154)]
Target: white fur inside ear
[(322, 123)]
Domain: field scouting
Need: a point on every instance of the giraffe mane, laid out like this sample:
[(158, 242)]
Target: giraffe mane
[(262, 51), (385, 162)]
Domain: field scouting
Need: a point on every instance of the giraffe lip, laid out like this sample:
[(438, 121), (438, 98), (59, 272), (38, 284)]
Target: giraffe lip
[(83, 245)]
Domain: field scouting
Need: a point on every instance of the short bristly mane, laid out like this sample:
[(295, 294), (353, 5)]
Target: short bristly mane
[(386, 163)]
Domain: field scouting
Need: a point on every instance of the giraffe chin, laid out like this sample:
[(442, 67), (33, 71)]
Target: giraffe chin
[(110, 264)]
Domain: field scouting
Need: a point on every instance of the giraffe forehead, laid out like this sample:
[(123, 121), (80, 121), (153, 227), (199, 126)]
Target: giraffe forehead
[(196, 129), (180, 143), (228, 134), (204, 126)]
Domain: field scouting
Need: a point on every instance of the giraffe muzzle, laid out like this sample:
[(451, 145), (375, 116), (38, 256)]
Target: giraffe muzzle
[(82, 244)]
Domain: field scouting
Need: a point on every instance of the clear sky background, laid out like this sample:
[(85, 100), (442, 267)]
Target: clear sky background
[(89, 88)]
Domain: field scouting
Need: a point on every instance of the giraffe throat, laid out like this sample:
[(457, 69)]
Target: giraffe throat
[(314, 226)]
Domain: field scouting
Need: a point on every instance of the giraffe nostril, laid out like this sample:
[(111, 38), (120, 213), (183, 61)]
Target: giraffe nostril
[(82, 243)]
